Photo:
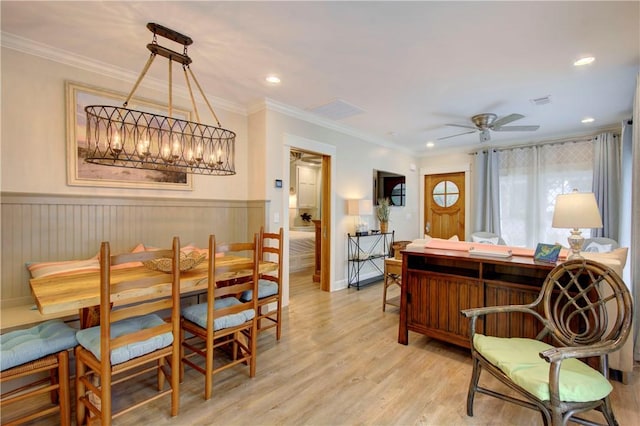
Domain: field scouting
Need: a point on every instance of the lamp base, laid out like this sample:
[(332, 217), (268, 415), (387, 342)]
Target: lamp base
[(576, 240)]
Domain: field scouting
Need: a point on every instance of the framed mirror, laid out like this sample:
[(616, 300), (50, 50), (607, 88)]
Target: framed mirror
[(389, 185)]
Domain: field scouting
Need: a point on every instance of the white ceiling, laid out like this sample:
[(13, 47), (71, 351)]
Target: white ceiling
[(410, 66)]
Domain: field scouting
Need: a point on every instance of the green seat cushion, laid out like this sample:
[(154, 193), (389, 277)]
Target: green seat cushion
[(519, 359)]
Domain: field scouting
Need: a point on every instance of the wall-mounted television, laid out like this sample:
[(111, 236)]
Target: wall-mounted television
[(389, 185)]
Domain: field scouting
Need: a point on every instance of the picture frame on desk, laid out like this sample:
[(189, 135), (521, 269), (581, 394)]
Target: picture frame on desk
[(81, 173), (547, 253)]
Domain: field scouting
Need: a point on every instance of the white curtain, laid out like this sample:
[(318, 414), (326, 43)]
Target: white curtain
[(530, 180), (606, 183), (486, 192)]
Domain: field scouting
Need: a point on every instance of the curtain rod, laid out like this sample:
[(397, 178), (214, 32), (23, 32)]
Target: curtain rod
[(575, 139)]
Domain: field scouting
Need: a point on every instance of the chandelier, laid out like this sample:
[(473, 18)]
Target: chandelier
[(122, 137)]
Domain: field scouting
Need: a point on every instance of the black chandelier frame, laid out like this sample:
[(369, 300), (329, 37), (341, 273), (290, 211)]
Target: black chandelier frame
[(123, 137)]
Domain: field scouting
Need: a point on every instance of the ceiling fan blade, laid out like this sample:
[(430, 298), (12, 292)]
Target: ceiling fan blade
[(506, 120), (453, 136), (516, 129), (462, 125)]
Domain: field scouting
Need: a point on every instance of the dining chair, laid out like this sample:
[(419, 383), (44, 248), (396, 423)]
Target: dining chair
[(131, 340), (269, 284), (392, 276), (584, 310), (224, 323), (33, 362)]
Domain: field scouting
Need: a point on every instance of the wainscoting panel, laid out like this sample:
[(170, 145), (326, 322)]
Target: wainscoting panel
[(40, 228)]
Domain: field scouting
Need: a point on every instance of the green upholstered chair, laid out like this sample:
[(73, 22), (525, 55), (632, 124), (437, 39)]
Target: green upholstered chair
[(574, 310)]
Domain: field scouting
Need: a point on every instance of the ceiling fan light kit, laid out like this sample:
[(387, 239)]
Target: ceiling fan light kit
[(486, 122)]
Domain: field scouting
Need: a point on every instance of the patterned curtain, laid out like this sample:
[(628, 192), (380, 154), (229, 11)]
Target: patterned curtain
[(530, 180)]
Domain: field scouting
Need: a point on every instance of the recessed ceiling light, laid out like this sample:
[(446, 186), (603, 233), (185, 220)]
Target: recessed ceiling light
[(584, 61), (430, 144), (587, 120), (273, 79)]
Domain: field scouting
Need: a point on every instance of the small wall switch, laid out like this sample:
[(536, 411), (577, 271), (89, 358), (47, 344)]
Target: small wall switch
[(276, 217)]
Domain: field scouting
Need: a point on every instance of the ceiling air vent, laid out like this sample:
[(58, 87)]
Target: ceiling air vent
[(541, 101), (337, 110)]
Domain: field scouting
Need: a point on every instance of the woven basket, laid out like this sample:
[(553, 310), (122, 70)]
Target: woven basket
[(187, 261)]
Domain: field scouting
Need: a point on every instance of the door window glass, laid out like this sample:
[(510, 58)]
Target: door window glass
[(445, 193)]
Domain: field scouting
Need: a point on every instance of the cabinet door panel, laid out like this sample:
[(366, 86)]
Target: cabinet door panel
[(510, 325), (307, 191), (436, 301)]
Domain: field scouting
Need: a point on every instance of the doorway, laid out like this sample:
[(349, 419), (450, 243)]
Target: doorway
[(309, 202), (444, 205)]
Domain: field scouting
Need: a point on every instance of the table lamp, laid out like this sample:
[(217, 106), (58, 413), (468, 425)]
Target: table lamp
[(576, 210), (358, 208)]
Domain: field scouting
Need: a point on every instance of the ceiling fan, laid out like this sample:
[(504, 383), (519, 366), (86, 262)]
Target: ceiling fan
[(487, 121)]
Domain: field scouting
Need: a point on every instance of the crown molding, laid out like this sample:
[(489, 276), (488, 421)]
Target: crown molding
[(41, 50), (300, 114)]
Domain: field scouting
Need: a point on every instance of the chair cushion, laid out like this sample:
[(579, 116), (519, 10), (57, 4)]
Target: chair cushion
[(519, 359), (266, 288), (197, 314), (90, 338), (22, 346)]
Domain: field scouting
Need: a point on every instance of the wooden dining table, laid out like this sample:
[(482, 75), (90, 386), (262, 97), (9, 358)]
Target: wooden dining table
[(64, 293)]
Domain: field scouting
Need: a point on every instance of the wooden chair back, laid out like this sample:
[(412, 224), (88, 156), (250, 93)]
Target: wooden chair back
[(232, 287), (168, 296), (271, 251)]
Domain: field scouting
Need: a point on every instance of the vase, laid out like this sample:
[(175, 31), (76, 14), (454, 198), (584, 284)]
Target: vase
[(384, 227)]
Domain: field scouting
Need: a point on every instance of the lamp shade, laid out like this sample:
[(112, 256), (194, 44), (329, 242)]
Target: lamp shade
[(366, 207), (576, 210), (359, 207), (353, 207)]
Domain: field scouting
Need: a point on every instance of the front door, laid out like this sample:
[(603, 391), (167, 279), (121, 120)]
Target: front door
[(444, 205)]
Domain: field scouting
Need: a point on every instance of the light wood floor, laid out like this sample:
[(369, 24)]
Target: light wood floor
[(339, 363)]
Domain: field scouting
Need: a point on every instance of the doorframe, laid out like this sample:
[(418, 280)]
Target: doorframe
[(327, 279), (466, 169)]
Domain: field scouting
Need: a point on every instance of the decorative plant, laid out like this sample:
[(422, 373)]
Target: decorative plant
[(383, 210), (306, 217)]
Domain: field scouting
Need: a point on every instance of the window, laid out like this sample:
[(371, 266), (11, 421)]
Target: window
[(445, 193), (530, 179)]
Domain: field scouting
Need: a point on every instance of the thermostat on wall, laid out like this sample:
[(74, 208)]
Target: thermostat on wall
[(278, 183)]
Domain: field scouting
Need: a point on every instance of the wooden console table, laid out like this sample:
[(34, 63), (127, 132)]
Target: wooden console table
[(437, 284)]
